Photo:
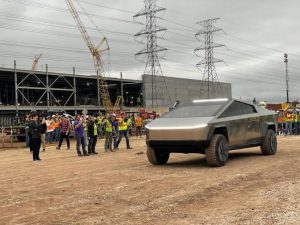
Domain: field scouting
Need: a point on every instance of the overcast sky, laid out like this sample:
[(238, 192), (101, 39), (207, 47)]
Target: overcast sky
[(256, 34)]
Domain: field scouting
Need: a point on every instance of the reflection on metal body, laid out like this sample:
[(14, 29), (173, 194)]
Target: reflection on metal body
[(179, 134)]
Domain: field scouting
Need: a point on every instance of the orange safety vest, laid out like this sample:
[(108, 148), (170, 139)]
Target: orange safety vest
[(138, 122), (50, 127), (56, 124)]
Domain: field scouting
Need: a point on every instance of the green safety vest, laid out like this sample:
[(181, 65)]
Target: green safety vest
[(129, 122), (95, 129), (108, 126), (123, 125)]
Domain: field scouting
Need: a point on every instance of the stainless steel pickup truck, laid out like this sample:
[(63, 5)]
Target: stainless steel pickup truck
[(212, 127)]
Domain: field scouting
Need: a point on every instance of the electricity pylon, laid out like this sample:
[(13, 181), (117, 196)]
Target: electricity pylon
[(210, 82)]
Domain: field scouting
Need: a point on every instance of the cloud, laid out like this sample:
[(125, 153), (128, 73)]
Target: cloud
[(258, 33)]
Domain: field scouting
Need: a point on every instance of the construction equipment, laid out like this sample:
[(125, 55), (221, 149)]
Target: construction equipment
[(117, 103), (102, 87), (36, 61)]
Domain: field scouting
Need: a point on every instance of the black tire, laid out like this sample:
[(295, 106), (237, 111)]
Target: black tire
[(157, 157), (217, 151), (269, 145)]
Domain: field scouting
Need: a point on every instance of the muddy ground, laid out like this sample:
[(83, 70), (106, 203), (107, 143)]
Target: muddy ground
[(123, 188)]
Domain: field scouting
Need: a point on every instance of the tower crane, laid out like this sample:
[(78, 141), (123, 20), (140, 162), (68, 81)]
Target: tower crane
[(102, 86), (36, 61)]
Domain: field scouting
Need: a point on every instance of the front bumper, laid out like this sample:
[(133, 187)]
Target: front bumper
[(179, 146)]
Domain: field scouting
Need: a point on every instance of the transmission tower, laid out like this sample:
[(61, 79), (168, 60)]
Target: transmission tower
[(210, 83), (152, 52)]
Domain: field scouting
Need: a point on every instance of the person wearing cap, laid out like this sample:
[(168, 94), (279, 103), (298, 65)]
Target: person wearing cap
[(108, 129), (79, 132), (123, 131), (92, 133)]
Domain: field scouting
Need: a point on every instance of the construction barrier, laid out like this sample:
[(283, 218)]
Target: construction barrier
[(9, 137)]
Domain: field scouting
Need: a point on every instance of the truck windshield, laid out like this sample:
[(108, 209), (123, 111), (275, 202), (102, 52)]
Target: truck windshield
[(197, 110)]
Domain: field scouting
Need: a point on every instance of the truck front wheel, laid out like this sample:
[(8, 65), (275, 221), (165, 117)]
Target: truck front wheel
[(157, 157), (217, 151), (269, 145)]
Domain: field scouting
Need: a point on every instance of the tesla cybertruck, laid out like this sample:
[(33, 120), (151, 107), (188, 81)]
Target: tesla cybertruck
[(212, 127)]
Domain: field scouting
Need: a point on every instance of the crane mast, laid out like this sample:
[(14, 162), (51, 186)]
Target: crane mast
[(102, 87), (35, 62)]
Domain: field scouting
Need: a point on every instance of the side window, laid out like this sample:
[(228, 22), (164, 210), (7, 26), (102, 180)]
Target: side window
[(238, 108), (233, 110), (247, 109)]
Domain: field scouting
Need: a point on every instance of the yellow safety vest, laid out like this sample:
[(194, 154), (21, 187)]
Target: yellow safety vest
[(108, 126), (123, 125), (129, 122), (296, 118), (95, 129)]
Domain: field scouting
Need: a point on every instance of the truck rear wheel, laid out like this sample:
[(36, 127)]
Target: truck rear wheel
[(269, 145), (217, 151), (157, 157)]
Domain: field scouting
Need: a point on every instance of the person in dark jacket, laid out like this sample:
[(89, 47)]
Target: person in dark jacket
[(35, 131), (92, 133)]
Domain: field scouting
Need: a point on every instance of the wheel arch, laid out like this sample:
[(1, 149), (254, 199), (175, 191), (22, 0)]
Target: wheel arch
[(269, 126), (218, 130)]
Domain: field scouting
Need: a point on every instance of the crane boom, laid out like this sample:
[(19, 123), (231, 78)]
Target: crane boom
[(36, 61), (102, 87)]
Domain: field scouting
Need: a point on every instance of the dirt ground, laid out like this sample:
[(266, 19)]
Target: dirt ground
[(123, 188)]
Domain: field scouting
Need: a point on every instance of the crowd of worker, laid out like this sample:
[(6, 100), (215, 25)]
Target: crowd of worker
[(87, 129), (289, 122)]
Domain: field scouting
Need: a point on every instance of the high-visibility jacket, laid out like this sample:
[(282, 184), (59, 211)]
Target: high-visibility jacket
[(129, 122), (85, 126), (95, 129), (284, 119), (99, 120), (280, 119), (50, 126), (108, 126), (289, 117), (296, 118), (56, 124), (122, 125), (138, 122)]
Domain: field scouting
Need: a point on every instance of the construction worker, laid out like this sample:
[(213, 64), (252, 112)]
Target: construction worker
[(138, 125), (56, 135), (92, 135), (297, 122), (289, 122), (115, 133), (85, 122), (100, 126), (129, 125), (280, 122), (50, 130), (123, 131), (108, 133)]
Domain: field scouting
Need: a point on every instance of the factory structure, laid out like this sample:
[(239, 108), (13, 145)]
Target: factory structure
[(22, 91)]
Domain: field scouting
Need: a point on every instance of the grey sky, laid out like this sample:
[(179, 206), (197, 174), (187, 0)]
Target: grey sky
[(257, 33)]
